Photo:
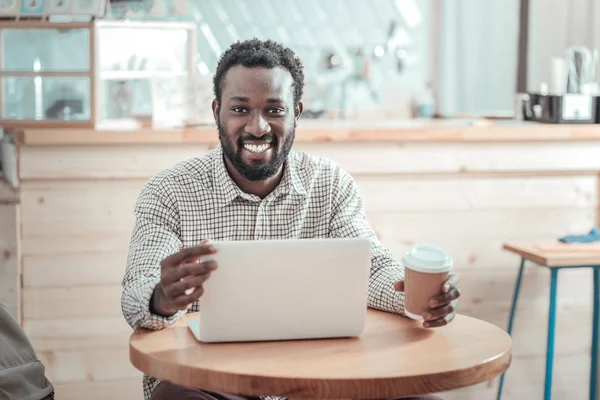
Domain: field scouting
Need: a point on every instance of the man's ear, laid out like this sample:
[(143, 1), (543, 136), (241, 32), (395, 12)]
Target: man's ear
[(215, 109), (298, 112)]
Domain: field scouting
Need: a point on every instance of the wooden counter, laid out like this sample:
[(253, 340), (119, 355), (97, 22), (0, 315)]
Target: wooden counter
[(8, 194), (464, 186), (332, 131)]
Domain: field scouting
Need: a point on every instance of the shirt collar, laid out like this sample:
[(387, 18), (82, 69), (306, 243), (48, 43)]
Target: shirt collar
[(223, 185), (290, 181), (227, 190)]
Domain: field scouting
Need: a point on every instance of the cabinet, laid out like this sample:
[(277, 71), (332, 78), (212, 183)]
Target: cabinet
[(78, 74), (47, 74)]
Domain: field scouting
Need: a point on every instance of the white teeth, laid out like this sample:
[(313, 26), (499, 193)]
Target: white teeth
[(256, 148)]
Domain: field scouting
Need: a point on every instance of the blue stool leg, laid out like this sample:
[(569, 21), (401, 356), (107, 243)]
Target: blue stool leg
[(511, 316), (595, 333), (551, 325)]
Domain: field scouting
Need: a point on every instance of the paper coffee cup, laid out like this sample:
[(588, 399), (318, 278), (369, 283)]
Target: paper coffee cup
[(426, 268)]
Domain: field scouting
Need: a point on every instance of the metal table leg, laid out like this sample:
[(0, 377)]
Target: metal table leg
[(595, 333), (511, 316), (551, 326)]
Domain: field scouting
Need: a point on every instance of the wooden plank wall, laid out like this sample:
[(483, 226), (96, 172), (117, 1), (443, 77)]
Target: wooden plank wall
[(76, 212)]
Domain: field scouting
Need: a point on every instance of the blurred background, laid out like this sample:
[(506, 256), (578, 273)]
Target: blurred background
[(465, 123), (384, 58)]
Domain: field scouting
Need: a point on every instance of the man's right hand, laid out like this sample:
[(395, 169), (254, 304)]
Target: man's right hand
[(182, 276)]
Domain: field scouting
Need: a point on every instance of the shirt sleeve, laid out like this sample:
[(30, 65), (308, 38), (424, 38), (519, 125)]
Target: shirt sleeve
[(349, 220), (155, 236)]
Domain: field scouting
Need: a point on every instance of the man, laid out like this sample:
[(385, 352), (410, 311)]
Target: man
[(22, 375), (250, 187)]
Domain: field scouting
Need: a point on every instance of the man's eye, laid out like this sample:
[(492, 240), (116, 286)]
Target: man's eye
[(276, 111), (239, 109)]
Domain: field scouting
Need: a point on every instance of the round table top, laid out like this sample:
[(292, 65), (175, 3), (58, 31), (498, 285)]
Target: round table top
[(394, 356)]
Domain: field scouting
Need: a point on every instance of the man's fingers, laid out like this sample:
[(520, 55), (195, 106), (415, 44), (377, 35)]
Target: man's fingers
[(187, 254), (182, 287), (191, 269), (452, 281), (440, 322), (188, 270), (437, 313), (182, 302), (443, 299)]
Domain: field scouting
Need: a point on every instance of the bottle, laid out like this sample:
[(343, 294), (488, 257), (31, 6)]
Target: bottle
[(426, 103)]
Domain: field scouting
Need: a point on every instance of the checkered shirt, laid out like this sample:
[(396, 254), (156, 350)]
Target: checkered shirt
[(197, 199)]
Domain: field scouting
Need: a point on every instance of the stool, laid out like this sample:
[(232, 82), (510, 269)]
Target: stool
[(555, 257)]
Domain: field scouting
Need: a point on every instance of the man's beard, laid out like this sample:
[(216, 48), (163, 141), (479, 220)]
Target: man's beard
[(258, 172)]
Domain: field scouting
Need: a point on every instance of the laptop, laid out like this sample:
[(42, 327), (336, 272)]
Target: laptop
[(287, 289)]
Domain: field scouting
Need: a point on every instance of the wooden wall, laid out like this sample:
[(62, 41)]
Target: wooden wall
[(76, 215)]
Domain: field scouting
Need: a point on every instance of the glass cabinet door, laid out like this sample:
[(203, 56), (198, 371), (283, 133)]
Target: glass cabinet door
[(45, 73), (46, 99), (46, 50), (134, 51), (131, 55)]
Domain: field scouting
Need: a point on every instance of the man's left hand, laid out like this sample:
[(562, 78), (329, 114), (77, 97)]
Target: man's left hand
[(441, 307)]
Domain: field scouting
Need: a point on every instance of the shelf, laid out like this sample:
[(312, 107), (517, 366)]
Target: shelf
[(45, 74), (127, 75)]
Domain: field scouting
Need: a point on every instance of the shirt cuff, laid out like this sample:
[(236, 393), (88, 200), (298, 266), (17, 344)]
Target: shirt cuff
[(147, 319), (382, 294), (399, 303)]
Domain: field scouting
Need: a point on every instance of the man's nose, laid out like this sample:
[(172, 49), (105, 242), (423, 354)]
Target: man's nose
[(258, 125)]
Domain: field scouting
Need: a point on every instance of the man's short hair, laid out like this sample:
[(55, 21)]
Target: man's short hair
[(258, 53)]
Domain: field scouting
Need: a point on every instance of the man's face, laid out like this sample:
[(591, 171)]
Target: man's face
[(256, 120)]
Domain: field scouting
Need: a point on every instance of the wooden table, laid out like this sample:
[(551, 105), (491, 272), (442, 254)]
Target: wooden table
[(394, 357), (556, 256)]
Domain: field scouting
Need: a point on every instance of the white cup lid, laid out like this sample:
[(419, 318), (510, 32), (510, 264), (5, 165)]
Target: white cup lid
[(427, 258)]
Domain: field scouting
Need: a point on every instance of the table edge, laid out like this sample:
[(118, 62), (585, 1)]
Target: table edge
[(549, 261), (339, 388)]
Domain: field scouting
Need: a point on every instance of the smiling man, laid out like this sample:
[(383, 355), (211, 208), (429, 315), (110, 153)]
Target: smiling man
[(251, 187), (257, 132)]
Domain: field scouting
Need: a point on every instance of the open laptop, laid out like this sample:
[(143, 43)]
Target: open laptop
[(285, 290)]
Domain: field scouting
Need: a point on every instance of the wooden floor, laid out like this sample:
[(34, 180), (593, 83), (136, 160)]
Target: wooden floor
[(76, 219)]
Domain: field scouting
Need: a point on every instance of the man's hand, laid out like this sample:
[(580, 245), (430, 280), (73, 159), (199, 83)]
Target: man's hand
[(182, 276), (441, 307)]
